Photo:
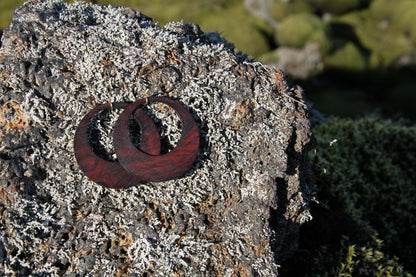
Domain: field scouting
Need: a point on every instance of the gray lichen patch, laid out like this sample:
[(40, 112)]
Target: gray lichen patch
[(60, 60)]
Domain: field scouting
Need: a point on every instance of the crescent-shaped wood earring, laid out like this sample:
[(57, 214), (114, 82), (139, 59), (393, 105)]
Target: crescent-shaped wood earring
[(154, 167), (107, 173), (145, 163)]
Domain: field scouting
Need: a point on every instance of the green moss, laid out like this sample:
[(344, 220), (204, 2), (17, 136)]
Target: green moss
[(343, 28), (323, 39), (270, 57), (370, 170), (6, 11), (385, 43), (348, 57), (404, 19), (248, 34), (194, 12), (353, 19), (297, 29), (331, 6), (399, 14), (383, 9), (280, 10), (387, 30)]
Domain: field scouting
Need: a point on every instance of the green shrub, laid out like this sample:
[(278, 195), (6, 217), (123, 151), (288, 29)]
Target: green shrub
[(368, 261), (369, 167), (351, 260), (297, 29), (365, 221)]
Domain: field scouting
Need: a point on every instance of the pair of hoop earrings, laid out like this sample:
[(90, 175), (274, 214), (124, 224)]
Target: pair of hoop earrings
[(143, 164)]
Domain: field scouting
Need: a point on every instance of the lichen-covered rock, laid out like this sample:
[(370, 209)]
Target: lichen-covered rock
[(236, 212)]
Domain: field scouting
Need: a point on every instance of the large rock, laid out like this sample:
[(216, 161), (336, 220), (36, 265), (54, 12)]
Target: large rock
[(235, 213)]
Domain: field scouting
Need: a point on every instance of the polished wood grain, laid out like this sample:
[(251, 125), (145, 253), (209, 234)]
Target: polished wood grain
[(155, 167), (108, 173)]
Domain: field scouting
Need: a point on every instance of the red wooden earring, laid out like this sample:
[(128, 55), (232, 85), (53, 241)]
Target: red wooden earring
[(107, 173), (150, 166)]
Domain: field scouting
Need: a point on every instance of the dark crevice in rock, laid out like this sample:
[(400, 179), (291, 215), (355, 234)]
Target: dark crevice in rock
[(294, 157), (5, 156)]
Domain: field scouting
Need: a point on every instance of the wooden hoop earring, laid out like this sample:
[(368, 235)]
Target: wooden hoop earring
[(107, 173), (155, 167)]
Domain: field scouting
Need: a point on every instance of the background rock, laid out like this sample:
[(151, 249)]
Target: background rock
[(300, 63), (237, 212)]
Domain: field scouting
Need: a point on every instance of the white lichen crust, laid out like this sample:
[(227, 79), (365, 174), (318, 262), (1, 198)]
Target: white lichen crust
[(235, 213)]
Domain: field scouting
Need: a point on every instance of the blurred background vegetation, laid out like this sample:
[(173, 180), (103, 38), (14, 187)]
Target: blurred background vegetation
[(356, 60), (352, 57)]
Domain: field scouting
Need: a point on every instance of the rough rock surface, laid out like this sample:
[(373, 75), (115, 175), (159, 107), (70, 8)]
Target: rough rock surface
[(237, 211)]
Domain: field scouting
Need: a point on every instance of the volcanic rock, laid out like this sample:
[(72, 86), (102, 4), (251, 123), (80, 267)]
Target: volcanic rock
[(236, 212)]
